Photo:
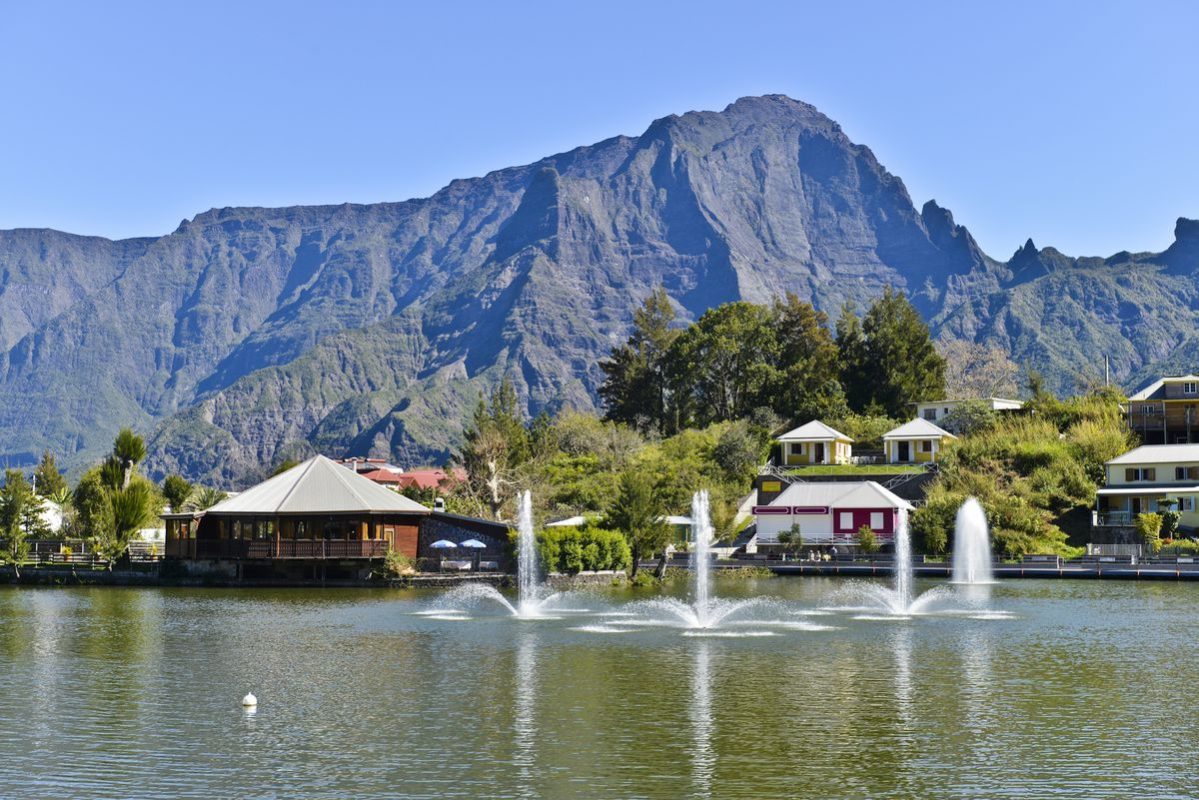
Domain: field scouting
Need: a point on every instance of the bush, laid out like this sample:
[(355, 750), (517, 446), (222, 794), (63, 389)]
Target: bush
[(1170, 520), (1149, 528), (396, 564), (574, 550), (867, 541)]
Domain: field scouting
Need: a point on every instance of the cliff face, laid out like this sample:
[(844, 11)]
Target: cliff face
[(252, 334)]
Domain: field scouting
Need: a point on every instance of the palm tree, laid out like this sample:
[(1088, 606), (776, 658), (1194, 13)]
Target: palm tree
[(208, 497), (129, 450)]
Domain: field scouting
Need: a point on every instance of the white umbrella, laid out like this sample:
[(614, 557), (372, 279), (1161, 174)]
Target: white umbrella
[(473, 543), (443, 544)]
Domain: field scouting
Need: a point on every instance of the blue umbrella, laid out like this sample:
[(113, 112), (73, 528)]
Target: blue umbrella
[(443, 544), (473, 543)]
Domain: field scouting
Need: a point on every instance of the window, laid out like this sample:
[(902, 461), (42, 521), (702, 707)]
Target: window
[(1180, 473), (926, 445), (876, 520), (1145, 410), (930, 414), (847, 520), (1189, 387), (1186, 502), (1140, 474)]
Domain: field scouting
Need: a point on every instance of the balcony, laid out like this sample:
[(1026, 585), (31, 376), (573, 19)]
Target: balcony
[(1111, 519), (277, 548)]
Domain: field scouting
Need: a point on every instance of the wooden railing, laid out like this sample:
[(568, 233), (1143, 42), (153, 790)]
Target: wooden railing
[(281, 548)]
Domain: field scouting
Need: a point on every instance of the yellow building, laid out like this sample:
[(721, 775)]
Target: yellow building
[(915, 442), (1150, 478), (815, 443)]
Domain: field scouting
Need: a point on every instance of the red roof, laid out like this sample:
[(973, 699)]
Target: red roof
[(429, 478), (383, 476)]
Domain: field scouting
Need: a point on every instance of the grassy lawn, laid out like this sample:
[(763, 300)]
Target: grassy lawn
[(856, 469)]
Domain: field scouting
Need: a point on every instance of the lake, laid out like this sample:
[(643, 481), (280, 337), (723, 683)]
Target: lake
[(1043, 688)]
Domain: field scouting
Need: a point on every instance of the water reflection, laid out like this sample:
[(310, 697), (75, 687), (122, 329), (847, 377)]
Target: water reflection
[(901, 646), (978, 683), (703, 756), (525, 714)]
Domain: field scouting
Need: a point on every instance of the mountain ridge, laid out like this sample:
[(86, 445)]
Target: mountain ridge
[(252, 333)]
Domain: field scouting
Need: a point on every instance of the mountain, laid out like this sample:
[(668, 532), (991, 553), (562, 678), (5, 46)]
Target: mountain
[(249, 334)]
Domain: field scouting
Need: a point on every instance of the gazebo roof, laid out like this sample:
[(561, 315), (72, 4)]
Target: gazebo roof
[(318, 486)]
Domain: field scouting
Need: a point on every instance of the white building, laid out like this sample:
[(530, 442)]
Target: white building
[(831, 512), (938, 410), (815, 443)]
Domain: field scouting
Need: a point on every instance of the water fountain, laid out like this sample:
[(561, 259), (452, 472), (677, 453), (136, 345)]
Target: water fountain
[(526, 558), (898, 600), (971, 545), (531, 599), (703, 611)]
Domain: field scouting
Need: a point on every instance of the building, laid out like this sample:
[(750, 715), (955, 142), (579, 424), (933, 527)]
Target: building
[(318, 511), (1150, 478), (1166, 411), (830, 513), (815, 443), (430, 478), (938, 410), (915, 442)]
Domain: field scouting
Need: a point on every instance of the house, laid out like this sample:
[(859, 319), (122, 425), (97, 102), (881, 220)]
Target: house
[(430, 477), (815, 443), (318, 511), (830, 513), (915, 442), (938, 410), (1150, 478), (1166, 411)]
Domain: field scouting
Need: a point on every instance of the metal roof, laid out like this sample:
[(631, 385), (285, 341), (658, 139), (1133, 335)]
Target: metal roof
[(1154, 391), (1159, 454), (842, 494), (318, 486), (814, 431), (918, 429)]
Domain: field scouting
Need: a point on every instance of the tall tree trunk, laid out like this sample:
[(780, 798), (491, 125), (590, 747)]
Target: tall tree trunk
[(636, 562)]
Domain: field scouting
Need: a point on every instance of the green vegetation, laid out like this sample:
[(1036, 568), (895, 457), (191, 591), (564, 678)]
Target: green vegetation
[(791, 539), (20, 518), (177, 491), (113, 502), (47, 480), (867, 541), (740, 359), (857, 469), (586, 549), (1034, 473), (1149, 528)]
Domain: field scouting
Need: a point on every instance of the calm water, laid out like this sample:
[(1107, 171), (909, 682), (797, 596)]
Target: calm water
[(1087, 691)]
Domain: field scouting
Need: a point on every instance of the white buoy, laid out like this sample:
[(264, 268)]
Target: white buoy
[(249, 701)]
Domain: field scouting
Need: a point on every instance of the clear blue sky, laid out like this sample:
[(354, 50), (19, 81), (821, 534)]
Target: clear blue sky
[(1072, 123)]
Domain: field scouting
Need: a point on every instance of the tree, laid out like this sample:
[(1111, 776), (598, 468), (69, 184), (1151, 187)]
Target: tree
[(133, 507), (635, 389), (639, 514), (177, 490), (806, 385), (47, 480), (495, 444), (791, 539), (128, 450), (724, 366), (891, 363), (20, 518), (739, 452), (970, 417), (207, 497), (975, 370)]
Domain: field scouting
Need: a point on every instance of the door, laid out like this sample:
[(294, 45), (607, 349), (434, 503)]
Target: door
[(1134, 506), (905, 452), (818, 453)]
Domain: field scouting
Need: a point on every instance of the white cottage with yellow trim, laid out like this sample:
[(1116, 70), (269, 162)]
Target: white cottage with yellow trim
[(915, 442), (815, 443)]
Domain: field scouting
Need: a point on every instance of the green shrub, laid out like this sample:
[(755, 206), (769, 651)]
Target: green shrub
[(574, 550), (867, 541), (1170, 519), (1149, 528)]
